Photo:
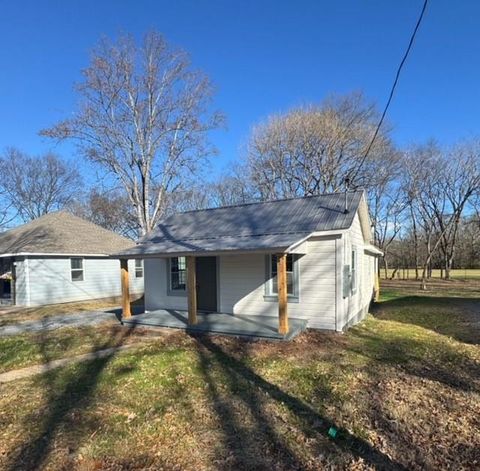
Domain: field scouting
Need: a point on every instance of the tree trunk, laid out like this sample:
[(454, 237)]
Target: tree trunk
[(423, 284), (415, 242)]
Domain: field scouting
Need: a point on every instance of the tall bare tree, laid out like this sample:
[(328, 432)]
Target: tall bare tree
[(310, 150), (143, 116), (35, 186)]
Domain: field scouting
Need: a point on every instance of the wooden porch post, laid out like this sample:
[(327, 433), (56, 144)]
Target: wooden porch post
[(191, 291), (377, 287), (126, 311), (282, 294)]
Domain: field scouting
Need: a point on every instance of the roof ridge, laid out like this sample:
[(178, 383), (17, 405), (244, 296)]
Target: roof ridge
[(333, 193)]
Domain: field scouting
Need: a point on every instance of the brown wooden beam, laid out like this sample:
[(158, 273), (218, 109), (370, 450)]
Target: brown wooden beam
[(191, 291), (376, 296), (126, 311), (282, 294)]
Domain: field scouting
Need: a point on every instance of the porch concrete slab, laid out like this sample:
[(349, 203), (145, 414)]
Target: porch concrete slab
[(219, 323)]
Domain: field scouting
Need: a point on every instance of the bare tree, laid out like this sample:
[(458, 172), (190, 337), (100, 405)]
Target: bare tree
[(109, 209), (233, 187), (387, 206), (460, 185), (143, 117), (229, 189), (440, 184), (311, 150), (7, 212), (35, 186)]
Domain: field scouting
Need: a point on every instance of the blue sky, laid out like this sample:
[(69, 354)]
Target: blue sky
[(264, 56)]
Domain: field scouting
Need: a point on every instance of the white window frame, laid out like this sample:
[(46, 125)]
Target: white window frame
[(77, 270), (270, 294), (177, 291), (138, 268)]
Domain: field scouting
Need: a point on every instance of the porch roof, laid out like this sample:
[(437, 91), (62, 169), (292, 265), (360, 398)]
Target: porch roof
[(254, 227), (216, 245)]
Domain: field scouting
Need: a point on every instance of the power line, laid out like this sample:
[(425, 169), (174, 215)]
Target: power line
[(392, 91)]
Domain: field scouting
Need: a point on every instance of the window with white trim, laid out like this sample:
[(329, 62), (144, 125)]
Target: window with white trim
[(292, 277), (138, 268), (178, 274), (76, 269)]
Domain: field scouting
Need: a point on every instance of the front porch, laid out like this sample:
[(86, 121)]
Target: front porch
[(192, 317), (245, 326)]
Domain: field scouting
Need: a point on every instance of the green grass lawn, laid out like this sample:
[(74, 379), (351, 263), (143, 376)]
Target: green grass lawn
[(399, 391)]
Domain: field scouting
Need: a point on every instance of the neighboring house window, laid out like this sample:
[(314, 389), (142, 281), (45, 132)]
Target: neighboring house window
[(178, 274), (353, 275), (292, 277), (138, 268), (76, 268)]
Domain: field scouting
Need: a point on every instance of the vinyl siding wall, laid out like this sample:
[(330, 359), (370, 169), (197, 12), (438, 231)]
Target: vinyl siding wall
[(21, 284), (355, 306), (156, 284), (242, 285), (47, 280)]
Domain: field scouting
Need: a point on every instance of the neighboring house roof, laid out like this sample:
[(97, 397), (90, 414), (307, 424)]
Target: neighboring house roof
[(61, 233), (274, 225)]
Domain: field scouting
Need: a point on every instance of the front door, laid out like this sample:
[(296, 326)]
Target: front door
[(206, 273)]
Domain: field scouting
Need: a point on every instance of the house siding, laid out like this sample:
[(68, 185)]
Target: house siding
[(21, 285), (355, 306), (47, 280), (156, 284), (242, 285)]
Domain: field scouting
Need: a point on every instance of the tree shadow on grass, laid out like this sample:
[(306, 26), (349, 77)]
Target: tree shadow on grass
[(452, 316), (249, 446), (404, 399), (436, 361), (67, 394)]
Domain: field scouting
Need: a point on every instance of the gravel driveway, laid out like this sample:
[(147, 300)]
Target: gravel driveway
[(85, 318)]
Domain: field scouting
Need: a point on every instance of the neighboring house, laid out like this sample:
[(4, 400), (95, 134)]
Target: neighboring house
[(60, 258), (315, 251)]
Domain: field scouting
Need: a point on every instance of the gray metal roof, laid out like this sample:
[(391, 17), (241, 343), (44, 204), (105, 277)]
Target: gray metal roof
[(249, 227), (61, 233)]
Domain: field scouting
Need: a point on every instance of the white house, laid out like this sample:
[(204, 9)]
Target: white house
[(61, 258), (304, 258)]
